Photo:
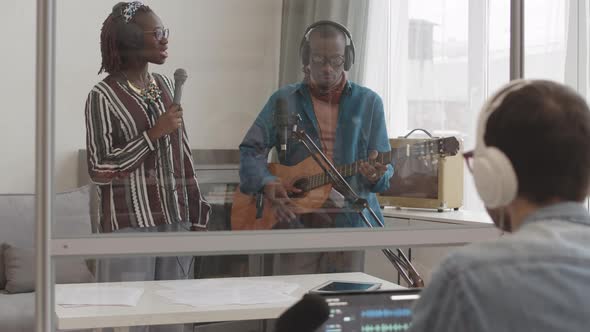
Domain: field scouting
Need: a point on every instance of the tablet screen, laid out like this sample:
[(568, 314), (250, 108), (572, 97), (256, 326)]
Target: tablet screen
[(341, 286), (381, 311)]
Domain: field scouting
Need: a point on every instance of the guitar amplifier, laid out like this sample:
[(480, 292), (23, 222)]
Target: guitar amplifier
[(427, 178)]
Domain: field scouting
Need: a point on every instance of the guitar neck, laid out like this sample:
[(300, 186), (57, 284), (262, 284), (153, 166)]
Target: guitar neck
[(416, 150), (321, 179), (352, 169)]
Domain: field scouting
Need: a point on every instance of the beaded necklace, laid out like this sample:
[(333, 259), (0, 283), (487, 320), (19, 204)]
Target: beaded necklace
[(151, 94)]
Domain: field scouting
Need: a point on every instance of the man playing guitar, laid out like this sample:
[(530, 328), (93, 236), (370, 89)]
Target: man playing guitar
[(346, 120)]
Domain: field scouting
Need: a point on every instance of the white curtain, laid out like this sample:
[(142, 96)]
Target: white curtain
[(584, 44), (427, 61), (299, 14), (577, 73), (386, 59)]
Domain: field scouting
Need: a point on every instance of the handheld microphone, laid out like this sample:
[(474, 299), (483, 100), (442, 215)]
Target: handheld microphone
[(307, 315), (180, 77), (282, 125)]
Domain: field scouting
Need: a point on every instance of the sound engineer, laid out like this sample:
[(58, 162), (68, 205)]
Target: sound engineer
[(531, 167)]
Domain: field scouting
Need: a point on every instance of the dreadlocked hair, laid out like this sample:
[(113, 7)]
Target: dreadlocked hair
[(113, 35)]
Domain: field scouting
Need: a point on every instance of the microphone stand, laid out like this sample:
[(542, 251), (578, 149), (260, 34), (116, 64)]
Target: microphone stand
[(401, 263)]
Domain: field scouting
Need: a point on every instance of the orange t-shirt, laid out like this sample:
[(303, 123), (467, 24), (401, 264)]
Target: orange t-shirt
[(327, 116)]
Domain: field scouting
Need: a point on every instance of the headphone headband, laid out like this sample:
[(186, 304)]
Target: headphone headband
[(349, 53), (327, 22), (492, 104)]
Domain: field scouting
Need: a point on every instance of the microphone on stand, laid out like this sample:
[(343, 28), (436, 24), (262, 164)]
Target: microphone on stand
[(281, 119), (307, 315), (180, 77)]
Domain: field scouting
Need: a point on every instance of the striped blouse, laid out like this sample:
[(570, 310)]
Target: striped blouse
[(139, 181)]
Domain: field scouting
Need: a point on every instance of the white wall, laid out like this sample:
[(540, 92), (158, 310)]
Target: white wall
[(230, 49), (17, 120)]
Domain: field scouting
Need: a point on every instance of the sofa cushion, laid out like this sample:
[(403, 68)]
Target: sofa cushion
[(20, 270), (72, 213), (2, 274), (17, 216)]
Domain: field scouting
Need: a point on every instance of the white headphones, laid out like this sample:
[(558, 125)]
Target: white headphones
[(494, 176)]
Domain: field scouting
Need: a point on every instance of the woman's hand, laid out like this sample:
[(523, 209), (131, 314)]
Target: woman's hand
[(166, 123)]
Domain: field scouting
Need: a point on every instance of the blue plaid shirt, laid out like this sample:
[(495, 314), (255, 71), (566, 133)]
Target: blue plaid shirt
[(360, 128)]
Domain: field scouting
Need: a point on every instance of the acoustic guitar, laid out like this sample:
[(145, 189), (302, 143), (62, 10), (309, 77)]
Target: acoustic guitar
[(315, 184)]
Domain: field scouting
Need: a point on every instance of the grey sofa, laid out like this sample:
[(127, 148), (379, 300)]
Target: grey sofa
[(17, 232)]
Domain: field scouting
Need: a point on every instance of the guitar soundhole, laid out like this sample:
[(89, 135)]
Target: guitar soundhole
[(300, 184)]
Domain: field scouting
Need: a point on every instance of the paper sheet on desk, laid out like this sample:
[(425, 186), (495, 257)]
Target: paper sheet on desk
[(185, 285), (226, 292), (95, 295), (259, 296), (210, 297), (220, 296)]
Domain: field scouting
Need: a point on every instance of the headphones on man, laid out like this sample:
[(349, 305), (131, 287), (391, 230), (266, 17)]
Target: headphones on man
[(493, 173), (130, 35), (304, 48)]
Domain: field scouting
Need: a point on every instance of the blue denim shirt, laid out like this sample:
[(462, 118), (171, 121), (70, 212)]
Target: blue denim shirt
[(360, 128), (537, 279)]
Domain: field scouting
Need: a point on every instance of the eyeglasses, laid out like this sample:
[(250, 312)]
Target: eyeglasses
[(335, 61), (160, 33), (468, 156)]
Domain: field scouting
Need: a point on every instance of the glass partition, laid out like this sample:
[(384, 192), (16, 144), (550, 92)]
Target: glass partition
[(127, 197), (253, 71), (244, 67)]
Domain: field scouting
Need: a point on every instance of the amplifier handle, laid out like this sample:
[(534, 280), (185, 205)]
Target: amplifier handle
[(413, 130)]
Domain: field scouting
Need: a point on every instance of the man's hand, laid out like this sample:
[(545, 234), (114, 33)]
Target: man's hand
[(278, 195), (372, 173), (166, 123)]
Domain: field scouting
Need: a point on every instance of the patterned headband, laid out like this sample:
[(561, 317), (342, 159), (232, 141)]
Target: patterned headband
[(130, 9)]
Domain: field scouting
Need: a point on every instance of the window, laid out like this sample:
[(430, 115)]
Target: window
[(441, 60), (434, 63)]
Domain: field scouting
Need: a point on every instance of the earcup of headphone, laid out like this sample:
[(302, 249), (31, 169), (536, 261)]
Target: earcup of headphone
[(348, 57), (494, 176), (305, 53)]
